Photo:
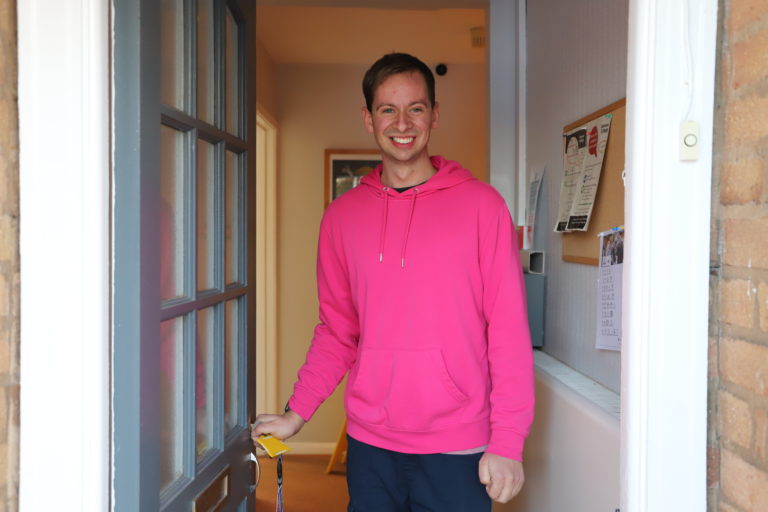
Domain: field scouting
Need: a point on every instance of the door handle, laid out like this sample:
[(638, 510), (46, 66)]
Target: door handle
[(255, 460)]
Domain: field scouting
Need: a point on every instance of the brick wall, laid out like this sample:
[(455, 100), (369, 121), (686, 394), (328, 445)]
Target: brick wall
[(738, 391), (9, 261)]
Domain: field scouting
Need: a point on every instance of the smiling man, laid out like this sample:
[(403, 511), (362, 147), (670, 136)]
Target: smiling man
[(422, 302)]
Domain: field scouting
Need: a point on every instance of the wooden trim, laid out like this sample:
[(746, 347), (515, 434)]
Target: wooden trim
[(311, 448), (581, 259), (594, 115), (266, 271)]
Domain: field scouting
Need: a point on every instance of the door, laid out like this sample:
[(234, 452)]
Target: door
[(183, 375)]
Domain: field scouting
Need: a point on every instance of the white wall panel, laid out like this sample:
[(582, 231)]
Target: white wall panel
[(576, 64)]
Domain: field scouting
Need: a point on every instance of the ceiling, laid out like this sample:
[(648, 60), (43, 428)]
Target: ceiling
[(359, 31)]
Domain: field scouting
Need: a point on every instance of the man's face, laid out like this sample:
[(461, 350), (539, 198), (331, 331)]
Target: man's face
[(401, 117)]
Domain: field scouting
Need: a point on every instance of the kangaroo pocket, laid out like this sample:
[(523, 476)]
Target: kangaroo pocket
[(404, 390)]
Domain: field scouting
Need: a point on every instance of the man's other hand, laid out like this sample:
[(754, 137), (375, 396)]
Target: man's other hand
[(503, 477)]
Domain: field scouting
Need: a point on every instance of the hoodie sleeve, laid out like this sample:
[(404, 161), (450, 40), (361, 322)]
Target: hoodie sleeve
[(510, 354), (334, 344)]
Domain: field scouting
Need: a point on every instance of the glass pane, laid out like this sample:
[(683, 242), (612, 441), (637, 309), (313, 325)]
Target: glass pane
[(172, 53), (231, 369), (233, 74), (206, 207), (205, 62), (233, 184), (172, 219), (171, 401), (204, 371)]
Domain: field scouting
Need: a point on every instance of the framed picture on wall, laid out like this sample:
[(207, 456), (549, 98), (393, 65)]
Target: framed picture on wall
[(344, 168)]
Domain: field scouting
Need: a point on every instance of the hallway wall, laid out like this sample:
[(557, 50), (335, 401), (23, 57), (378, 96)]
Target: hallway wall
[(738, 390), (9, 260), (577, 63), (266, 85), (569, 407), (319, 108)]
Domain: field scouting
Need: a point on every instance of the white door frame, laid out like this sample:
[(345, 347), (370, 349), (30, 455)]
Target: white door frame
[(65, 256), (666, 271)]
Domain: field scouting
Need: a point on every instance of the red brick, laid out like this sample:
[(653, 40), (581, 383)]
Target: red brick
[(724, 507), (762, 301), (761, 434), (735, 419), (744, 364), (745, 121), (750, 59), (742, 483), (6, 291), (742, 13), (745, 242), (737, 300), (713, 466), (742, 181), (712, 357)]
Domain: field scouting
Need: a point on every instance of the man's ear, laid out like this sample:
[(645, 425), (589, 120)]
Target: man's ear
[(368, 120), (435, 114)]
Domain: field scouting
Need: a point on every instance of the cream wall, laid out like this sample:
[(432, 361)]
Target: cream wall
[(266, 90), (319, 107)]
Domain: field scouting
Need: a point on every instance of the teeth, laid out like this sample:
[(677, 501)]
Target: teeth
[(403, 140)]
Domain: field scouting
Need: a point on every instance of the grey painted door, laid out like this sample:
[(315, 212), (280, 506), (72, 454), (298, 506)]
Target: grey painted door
[(183, 372)]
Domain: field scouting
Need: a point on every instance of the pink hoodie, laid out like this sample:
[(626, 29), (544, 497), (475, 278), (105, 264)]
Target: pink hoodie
[(422, 297)]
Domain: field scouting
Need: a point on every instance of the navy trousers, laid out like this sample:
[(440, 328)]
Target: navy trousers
[(385, 481)]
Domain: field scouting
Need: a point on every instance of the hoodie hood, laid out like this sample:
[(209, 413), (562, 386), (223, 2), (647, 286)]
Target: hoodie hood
[(449, 174)]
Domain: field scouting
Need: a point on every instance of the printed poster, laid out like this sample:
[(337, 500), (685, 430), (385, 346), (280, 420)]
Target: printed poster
[(584, 151)]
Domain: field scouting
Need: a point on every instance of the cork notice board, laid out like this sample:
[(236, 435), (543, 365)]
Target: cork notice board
[(608, 211)]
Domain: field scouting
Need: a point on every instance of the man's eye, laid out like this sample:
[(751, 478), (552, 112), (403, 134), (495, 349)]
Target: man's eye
[(387, 110)]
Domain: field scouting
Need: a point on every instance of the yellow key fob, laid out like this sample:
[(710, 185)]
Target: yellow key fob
[(272, 445)]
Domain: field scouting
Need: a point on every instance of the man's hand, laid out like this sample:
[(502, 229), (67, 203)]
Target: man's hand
[(282, 426), (503, 477)]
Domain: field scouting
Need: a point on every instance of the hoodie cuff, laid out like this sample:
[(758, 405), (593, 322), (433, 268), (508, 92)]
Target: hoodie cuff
[(507, 444), (305, 411)]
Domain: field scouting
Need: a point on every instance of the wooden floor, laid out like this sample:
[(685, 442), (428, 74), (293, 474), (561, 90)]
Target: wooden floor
[(306, 485)]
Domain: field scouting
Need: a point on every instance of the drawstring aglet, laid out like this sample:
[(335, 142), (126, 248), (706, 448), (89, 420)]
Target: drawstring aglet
[(402, 263), (381, 257)]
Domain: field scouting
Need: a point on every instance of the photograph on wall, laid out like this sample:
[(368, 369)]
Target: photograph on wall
[(344, 168), (609, 289)]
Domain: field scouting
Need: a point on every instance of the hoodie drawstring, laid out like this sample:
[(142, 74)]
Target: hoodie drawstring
[(408, 228), (383, 224), (385, 215)]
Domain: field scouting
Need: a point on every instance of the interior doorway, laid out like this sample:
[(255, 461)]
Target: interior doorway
[(266, 262)]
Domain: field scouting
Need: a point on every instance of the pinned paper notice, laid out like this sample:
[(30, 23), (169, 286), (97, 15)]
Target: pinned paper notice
[(609, 289)]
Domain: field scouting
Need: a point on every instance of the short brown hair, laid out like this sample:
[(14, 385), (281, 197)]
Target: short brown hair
[(394, 64)]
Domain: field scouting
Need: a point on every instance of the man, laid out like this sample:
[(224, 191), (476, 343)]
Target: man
[(422, 301)]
